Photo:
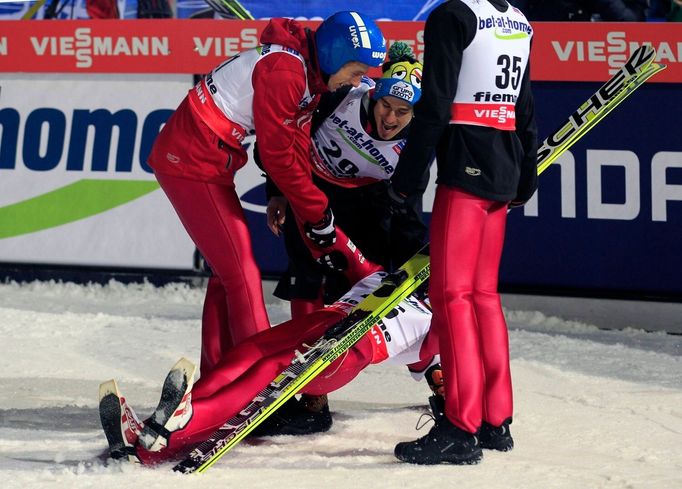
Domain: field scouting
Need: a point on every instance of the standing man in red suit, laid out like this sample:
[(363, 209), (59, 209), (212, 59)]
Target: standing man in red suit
[(269, 91)]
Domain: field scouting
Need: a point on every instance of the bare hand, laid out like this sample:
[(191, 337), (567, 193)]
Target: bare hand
[(276, 214)]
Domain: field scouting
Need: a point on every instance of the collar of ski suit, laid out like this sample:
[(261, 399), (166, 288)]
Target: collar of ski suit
[(291, 34)]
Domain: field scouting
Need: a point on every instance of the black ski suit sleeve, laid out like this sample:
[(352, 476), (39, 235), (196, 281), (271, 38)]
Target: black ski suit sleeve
[(329, 101), (271, 189), (526, 130), (446, 34)]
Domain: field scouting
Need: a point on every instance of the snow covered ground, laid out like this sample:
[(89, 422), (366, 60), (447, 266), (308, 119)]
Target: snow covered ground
[(594, 408)]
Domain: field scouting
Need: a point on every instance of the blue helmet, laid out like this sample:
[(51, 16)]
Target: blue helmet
[(349, 36)]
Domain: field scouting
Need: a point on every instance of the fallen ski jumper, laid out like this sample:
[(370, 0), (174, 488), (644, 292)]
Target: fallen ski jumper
[(188, 413)]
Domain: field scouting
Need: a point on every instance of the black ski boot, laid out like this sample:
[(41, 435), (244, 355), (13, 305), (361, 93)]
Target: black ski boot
[(437, 404), (306, 416), (445, 443), (496, 437)]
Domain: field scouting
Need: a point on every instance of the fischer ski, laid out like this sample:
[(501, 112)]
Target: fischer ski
[(636, 70), (340, 337), (307, 365)]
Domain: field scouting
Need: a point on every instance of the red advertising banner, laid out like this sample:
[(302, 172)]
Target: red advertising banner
[(591, 51), (561, 51)]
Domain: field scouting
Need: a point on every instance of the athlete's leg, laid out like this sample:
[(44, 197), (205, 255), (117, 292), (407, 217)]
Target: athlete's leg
[(492, 327), (285, 337), (303, 307), (456, 234), (215, 333), (209, 413), (427, 352), (239, 377), (242, 383), (343, 369), (215, 221)]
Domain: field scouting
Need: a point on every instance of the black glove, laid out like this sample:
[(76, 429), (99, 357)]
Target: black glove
[(396, 201), (323, 232), (516, 203), (335, 261)]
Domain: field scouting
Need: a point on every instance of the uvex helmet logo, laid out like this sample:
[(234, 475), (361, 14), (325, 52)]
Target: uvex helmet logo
[(358, 33)]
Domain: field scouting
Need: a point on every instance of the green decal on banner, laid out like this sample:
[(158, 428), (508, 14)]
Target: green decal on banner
[(70, 203)]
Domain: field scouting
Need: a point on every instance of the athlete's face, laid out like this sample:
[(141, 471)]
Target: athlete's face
[(391, 115), (349, 74)]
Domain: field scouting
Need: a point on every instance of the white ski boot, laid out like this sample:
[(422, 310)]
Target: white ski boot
[(120, 423), (175, 407)]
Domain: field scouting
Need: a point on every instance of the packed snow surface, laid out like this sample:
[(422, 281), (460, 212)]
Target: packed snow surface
[(593, 408)]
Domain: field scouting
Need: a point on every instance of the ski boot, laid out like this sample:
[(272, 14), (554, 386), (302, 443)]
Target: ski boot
[(496, 437), (297, 417), (174, 409), (121, 425), (444, 443)]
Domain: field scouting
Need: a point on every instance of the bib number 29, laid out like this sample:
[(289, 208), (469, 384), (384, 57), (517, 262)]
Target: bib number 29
[(347, 167)]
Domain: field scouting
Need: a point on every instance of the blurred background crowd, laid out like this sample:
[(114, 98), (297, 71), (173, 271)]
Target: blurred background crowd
[(535, 10)]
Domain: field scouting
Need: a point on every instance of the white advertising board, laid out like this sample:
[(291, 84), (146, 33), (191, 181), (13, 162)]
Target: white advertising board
[(74, 188)]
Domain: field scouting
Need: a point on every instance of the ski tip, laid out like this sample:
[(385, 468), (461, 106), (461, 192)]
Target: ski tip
[(108, 387), (187, 367), (659, 66)]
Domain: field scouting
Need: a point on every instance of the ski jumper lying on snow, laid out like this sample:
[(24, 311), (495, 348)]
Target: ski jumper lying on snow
[(189, 412)]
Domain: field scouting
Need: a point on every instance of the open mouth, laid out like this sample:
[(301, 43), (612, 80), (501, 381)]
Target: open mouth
[(389, 127)]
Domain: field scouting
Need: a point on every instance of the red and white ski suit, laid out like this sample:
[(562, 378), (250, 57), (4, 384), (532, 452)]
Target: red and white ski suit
[(270, 91), (402, 337)]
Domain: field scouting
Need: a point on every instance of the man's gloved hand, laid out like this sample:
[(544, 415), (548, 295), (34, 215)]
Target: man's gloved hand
[(516, 203), (396, 200), (335, 260), (323, 232)]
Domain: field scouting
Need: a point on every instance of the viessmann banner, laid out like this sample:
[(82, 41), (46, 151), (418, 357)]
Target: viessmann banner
[(82, 101), (561, 51)]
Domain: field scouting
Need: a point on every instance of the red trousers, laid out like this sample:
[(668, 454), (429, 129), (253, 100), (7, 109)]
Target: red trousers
[(467, 236), (250, 366), (195, 170), (234, 308)]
